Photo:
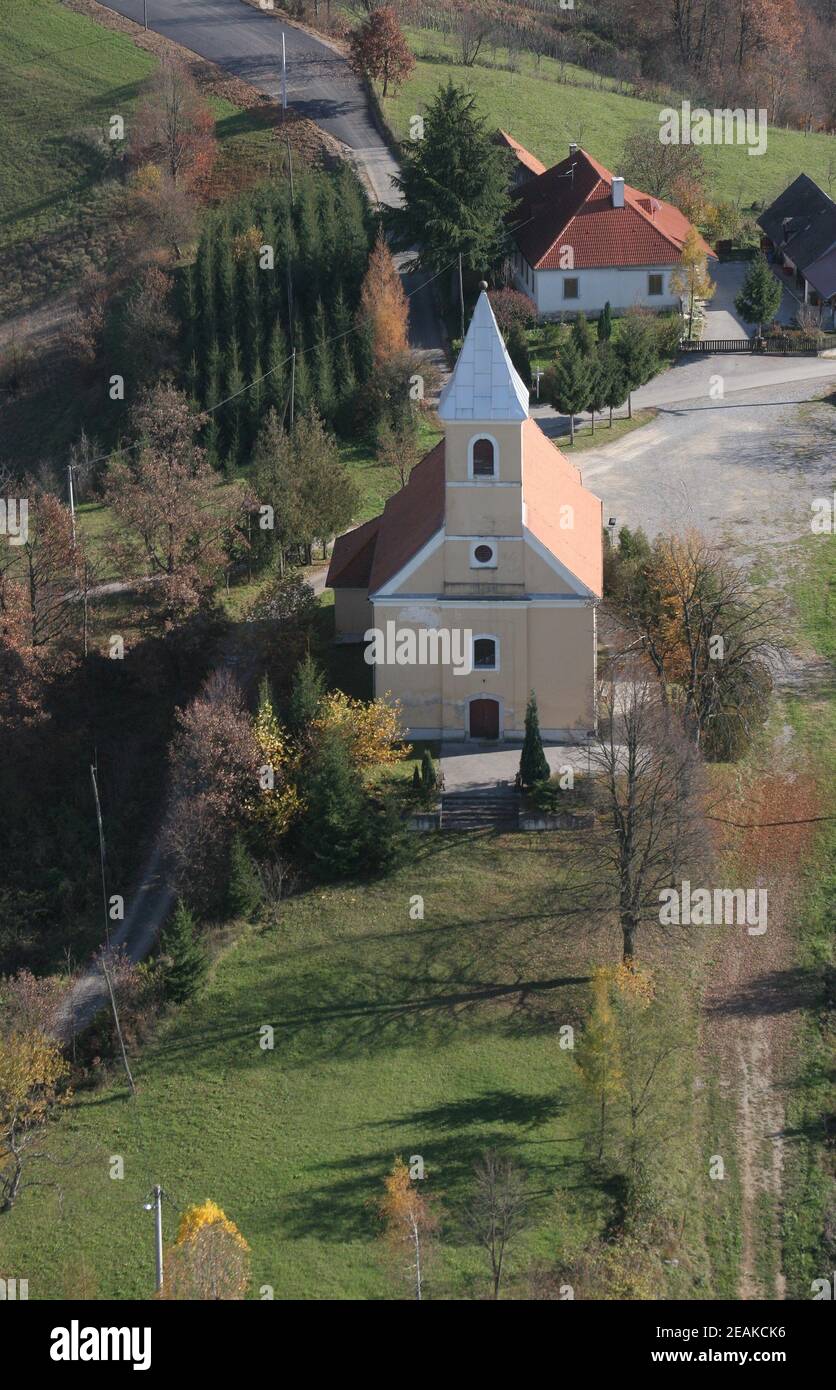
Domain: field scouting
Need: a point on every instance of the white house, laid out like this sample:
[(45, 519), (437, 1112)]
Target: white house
[(584, 238)]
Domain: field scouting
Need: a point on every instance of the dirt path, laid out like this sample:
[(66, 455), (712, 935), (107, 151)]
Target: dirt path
[(756, 995)]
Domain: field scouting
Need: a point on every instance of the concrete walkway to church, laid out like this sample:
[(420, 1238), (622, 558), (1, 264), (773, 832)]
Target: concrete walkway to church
[(486, 766)]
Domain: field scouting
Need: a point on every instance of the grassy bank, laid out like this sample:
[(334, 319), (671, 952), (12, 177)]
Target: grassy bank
[(539, 105)]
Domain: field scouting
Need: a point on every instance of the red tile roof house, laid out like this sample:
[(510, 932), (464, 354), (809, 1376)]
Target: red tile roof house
[(584, 237)]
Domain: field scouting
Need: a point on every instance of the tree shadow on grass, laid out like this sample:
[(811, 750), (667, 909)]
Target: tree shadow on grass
[(343, 1207)]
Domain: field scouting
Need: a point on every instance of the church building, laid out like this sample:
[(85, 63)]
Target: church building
[(481, 577)]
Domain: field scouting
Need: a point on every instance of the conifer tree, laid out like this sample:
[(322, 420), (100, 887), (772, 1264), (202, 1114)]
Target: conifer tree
[(233, 410), (224, 282), (760, 294), (429, 777), (455, 187), (187, 971), (567, 385), (582, 335), (534, 766), (614, 389), (244, 892), (636, 351), (605, 324), (306, 696), (278, 381)]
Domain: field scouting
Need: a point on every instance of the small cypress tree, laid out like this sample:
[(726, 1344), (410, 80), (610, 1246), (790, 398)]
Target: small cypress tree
[(187, 970), (605, 324), (243, 889), (568, 384), (416, 778), (534, 766), (429, 776)]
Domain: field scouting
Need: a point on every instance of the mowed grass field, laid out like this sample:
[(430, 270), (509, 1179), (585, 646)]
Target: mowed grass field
[(545, 114), (436, 1037), (64, 76)]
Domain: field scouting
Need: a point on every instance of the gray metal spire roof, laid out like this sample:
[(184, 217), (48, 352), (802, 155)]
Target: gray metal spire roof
[(485, 385)]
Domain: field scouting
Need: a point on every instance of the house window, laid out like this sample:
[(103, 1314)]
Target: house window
[(655, 284), (485, 654), (570, 289), (483, 458), (483, 555)]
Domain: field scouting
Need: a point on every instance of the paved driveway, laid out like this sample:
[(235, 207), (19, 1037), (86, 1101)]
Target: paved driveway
[(721, 317), (743, 470)]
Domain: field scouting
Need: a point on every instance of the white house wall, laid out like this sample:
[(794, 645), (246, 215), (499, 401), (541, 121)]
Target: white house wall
[(623, 288)]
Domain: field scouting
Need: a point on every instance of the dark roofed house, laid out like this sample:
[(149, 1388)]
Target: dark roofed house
[(800, 235), (584, 237)]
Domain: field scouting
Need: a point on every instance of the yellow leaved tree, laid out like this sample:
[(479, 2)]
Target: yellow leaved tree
[(277, 803), (32, 1086), (210, 1259), (372, 729), (690, 279), (599, 1055)]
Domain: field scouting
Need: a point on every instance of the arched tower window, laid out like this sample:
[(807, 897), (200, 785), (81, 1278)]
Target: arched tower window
[(483, 455)]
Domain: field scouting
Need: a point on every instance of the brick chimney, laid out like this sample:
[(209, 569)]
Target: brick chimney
[(618, 193)]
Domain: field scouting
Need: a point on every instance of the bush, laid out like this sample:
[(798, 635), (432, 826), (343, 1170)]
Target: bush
[(512, 309)]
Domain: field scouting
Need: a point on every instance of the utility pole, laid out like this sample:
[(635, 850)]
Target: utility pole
[(290, 166), (292, 387), (284, 76), (145, 12), (106, 952), (157, 1208), (461, 293), (72, 499)]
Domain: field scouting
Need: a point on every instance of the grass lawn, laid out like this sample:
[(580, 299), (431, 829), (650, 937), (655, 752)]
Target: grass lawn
[(545, 113), (585, 439), (58, 177), (810, 1181), (375, 481), (434, 1037)]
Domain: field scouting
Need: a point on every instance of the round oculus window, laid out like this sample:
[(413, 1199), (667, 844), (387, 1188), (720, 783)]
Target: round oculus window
[(483, 553)]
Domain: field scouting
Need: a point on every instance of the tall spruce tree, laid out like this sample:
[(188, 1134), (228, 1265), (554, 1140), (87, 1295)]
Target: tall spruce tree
[(534, 766), (454, 185)]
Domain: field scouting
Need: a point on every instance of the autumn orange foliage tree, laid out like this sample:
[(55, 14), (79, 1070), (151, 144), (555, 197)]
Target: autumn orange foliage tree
[(379, 51), (410, 1225), (383, 306)]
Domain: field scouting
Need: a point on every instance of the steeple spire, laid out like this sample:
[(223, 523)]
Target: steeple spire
[(485, 384)]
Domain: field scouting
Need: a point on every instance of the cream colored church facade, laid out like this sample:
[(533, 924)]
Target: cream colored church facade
[(494, 542)]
